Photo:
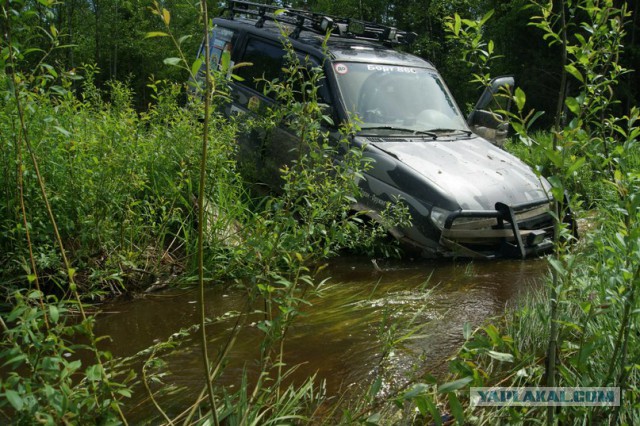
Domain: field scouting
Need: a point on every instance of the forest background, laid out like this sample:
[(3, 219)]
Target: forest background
[(111, 35)]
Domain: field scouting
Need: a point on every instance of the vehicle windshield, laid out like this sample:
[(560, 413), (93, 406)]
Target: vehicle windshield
[(397, 98)]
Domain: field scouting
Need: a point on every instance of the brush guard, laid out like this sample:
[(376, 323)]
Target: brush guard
[(514, 241)]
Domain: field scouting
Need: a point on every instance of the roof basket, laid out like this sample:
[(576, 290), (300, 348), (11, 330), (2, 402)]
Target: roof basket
[(319, 23)]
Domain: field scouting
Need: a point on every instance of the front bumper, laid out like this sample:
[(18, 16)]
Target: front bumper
[(508, 231)]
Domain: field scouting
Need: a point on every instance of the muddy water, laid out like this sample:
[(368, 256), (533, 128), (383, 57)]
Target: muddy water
[(340, 336)]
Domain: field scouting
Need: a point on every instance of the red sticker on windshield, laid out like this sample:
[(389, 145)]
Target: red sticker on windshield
[(341, 69)]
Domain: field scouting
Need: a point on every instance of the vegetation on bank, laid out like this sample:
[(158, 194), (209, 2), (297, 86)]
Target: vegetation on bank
[(98, 198), (582, 330)]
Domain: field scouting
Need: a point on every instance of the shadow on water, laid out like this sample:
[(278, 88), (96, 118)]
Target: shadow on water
[(340, 335)]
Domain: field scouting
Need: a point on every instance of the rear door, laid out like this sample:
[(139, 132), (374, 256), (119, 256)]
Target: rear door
[(266, 149)]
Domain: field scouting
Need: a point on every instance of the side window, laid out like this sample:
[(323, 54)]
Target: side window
[(222, 40), (267, 60)]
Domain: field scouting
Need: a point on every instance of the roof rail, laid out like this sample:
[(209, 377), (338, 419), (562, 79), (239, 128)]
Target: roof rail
[(319, 23)]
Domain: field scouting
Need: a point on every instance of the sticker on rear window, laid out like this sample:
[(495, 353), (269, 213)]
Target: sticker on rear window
[(341, 68)]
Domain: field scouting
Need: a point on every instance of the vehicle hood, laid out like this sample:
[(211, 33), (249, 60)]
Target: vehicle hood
[(475, 173)]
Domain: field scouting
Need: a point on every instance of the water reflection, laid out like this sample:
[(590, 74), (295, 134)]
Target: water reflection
[(341, 335)]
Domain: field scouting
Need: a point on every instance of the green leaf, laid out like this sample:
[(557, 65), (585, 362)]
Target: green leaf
[(373, 419), (195, 67), (225, 61), (456, 408), (34, 294), (375, 387), (576, 165), (493, 334), (617, 175), (52, 71), (124, 392), (486, 17), (557, 265), (500, 356), (18, 360), (556, 182), (62, 130), (32, 50), (417, 389), (455, 385), (156, 34), (457, 25), (54, 313), (573, 105), (172, 61), (14, 399), (520, 98), (467, 331), (555, 157), (585, 353), (166, 17), (519, 128), (421, 405), (94, 373), (427, 406), (533, 119), (571, 69)]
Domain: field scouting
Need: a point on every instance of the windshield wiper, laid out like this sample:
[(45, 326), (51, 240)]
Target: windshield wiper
[(402, 129), (444, 130)]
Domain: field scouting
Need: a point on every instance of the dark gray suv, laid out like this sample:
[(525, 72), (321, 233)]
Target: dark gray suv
[(467, 197)]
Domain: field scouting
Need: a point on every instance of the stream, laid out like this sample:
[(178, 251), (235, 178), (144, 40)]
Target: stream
[(340, 336)]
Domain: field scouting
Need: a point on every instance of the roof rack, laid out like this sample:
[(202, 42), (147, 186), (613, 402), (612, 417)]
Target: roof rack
[(319, 23)]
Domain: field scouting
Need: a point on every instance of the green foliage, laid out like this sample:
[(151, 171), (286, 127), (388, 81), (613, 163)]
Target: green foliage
[(579, 333), (111, 35), (272, 402), (47, 381), (477, 53), (589, 182), (593, 61), (121, 182)]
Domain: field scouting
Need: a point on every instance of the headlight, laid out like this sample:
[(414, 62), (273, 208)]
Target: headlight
[(439, 216)]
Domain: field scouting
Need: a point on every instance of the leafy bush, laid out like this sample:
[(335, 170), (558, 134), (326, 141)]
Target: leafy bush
[(580, 332), (47, 382)]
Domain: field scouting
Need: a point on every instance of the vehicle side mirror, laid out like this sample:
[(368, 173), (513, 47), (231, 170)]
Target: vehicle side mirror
[(484, 120)]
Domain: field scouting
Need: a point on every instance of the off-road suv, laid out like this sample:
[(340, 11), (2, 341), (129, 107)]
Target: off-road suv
[(466, 196)]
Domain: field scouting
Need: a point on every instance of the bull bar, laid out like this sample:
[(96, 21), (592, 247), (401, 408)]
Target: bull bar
[(526, 242)]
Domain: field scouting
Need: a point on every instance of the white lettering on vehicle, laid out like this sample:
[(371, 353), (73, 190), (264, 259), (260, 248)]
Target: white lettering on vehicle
[(391, 68)]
